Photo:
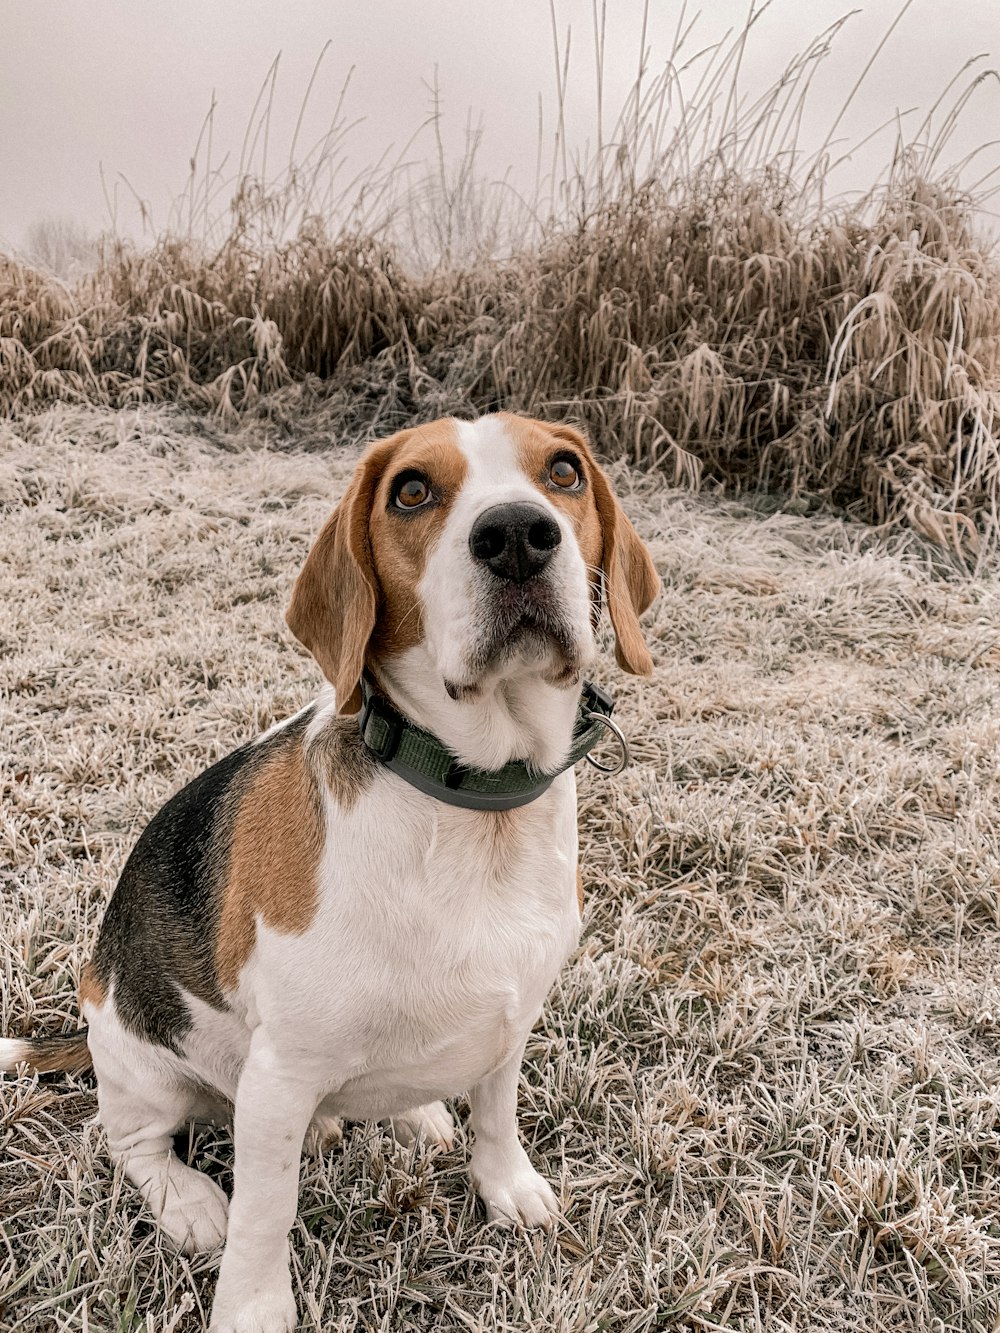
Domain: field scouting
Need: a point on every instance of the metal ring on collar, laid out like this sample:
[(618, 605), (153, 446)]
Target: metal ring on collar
[(620, 735)]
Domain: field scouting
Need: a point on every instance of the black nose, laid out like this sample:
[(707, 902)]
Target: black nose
[(515, 541)]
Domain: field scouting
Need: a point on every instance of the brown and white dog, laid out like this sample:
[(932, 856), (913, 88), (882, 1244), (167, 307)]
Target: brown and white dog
[(305, 935)]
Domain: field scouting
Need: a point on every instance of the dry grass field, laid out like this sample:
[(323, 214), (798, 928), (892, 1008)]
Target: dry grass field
[(767, 1087), (689, 285)]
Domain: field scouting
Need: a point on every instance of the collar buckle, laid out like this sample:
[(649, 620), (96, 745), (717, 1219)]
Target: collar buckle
[(381, 727)]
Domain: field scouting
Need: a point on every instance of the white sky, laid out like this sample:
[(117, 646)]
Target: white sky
[(127, 83)]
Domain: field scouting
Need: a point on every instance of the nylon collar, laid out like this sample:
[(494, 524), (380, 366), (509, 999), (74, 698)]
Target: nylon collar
[(419, 758)]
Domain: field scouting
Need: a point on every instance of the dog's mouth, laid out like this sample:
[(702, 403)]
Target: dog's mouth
[(525, 625)]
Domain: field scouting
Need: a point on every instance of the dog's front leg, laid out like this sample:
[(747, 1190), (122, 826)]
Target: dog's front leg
[(274, 1104), (507, 1183)]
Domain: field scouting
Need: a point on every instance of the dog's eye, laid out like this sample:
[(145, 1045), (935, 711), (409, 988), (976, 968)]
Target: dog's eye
[(563, 474), (412, 492)]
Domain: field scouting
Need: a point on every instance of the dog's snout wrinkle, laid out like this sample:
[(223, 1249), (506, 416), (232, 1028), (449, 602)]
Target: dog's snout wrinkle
[(515, 541)]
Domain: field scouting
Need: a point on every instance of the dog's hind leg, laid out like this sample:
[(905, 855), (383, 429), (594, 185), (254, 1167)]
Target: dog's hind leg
[(326, 1130), (141, 1101), (432, 1124)]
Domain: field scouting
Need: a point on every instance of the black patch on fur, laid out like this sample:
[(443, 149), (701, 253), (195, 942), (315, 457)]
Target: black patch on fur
[(158, 934)]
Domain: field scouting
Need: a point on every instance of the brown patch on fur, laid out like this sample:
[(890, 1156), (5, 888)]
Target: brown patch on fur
[(278, 835), (606, 537), (91, 988), (579, 889), (356, 597), (341, 762), (401, 542)]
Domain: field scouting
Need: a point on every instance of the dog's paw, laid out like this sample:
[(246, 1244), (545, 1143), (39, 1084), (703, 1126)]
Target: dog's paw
[(260, 1310), (194, 1211), (514, 1193), (431, 1124), (324, 1132)]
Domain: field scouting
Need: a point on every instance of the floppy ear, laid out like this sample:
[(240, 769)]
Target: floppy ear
[(334, 601), (630, 578)]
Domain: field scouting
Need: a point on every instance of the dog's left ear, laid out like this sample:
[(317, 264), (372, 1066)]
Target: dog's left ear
[(630, 578), (335, 598)]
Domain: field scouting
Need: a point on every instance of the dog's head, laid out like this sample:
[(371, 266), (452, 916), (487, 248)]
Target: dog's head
[(489, 543)]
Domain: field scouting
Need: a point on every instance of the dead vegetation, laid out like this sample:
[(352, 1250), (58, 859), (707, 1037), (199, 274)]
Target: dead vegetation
[(688, 291), (767, 1088)]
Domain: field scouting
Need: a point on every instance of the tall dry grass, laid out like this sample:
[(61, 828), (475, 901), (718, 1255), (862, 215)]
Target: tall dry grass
[(687, 290)]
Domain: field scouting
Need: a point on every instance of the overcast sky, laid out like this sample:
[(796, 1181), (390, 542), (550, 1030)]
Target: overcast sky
[(125, 84)]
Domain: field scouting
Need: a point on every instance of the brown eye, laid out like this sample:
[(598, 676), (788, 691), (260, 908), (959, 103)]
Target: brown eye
[(562, 473), (413, 493)]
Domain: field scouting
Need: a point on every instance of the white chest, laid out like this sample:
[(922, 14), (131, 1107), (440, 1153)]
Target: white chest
[(438, 935)]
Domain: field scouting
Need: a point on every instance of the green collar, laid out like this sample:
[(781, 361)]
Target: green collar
[(420, 759)]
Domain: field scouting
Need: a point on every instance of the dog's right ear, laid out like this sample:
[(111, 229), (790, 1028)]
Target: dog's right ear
[(335, 598), (630, 578)]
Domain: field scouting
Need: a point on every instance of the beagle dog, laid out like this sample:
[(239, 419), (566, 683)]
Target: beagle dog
[(336, 922)]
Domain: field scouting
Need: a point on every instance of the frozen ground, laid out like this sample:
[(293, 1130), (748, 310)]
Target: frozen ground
[(767, 1087)]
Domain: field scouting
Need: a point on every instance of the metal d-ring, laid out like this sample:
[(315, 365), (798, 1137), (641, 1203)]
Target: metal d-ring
[(616, 730)]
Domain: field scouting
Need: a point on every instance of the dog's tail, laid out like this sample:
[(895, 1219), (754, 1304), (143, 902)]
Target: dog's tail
[(47, 1055)]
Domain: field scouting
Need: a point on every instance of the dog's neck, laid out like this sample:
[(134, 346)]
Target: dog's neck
[(521, 716)]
